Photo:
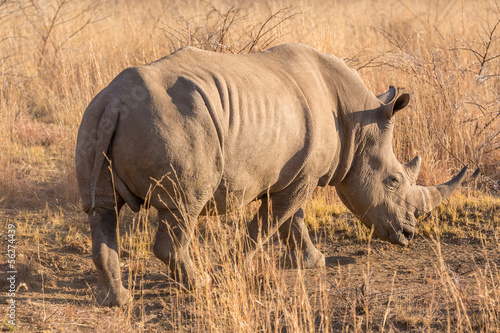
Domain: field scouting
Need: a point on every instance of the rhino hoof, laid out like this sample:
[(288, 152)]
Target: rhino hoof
[(106, 298), (306, 260), (203, 281), (198, 280)]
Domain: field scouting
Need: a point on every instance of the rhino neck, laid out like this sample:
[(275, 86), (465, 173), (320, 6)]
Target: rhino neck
[(351, 103), (352, 121), (348, 147)]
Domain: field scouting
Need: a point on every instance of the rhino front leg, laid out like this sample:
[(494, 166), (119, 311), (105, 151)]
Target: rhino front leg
[(172, 245), (301, 250), (274, 211), (105, 256)]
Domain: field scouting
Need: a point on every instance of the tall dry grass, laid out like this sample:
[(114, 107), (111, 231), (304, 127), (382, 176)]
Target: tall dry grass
[(56, 55), (274, 300)]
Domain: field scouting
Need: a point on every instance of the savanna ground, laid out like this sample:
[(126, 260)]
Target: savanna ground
[(56, 55)]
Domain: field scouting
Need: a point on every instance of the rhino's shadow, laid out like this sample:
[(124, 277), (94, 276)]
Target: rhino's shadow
[(339, 261)]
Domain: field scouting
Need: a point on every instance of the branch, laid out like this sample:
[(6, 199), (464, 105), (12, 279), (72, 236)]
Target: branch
[(261, 33), (46, 37)]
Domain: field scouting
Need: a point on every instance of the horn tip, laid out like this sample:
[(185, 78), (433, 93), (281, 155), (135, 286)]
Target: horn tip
[(476, 173), (462, 172)]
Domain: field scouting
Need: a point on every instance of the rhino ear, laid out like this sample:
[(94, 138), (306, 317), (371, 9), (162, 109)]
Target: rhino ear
[(393, 100)]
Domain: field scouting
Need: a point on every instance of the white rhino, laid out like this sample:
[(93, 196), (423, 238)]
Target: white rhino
[(197, 127)]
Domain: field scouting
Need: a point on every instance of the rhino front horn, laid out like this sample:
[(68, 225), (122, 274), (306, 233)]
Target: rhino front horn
[(434, 195)]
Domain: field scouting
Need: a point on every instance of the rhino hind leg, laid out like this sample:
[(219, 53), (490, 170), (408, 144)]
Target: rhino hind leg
[(103, 224), (301, 251), (172, 243)]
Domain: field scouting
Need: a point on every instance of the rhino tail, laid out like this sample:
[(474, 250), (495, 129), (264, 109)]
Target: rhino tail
[(105, 132)]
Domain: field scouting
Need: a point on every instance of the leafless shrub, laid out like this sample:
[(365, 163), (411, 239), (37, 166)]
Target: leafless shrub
[(45, 18), (220, 33), (266, 30)]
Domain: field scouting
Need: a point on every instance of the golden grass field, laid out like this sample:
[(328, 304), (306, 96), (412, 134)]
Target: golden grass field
[(55, 56)]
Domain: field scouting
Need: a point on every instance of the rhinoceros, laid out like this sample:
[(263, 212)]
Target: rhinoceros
[(197, 128)]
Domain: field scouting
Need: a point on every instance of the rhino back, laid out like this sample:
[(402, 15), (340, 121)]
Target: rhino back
[(272, 111), (217, 124)]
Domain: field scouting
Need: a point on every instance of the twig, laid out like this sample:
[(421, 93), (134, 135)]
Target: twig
[(46, 36), (261, 33)]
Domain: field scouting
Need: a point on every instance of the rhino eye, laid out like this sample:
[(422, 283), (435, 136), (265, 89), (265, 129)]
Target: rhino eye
[(392, 182)]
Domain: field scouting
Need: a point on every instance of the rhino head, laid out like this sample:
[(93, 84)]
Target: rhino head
[(380, 190)]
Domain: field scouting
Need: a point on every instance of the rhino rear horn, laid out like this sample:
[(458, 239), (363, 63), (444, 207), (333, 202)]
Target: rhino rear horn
[(393, 100), (413, 168), (434, 195)]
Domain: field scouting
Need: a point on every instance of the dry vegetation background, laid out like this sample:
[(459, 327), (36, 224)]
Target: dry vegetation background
[(56, 55)]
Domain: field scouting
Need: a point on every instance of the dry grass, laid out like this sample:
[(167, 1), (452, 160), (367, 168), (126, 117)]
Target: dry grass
[(56, 55)]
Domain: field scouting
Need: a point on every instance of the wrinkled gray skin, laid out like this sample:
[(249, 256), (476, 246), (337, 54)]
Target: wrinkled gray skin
[(197, 129)]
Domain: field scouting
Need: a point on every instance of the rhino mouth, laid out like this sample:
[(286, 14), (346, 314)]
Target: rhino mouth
[(404, 236)]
